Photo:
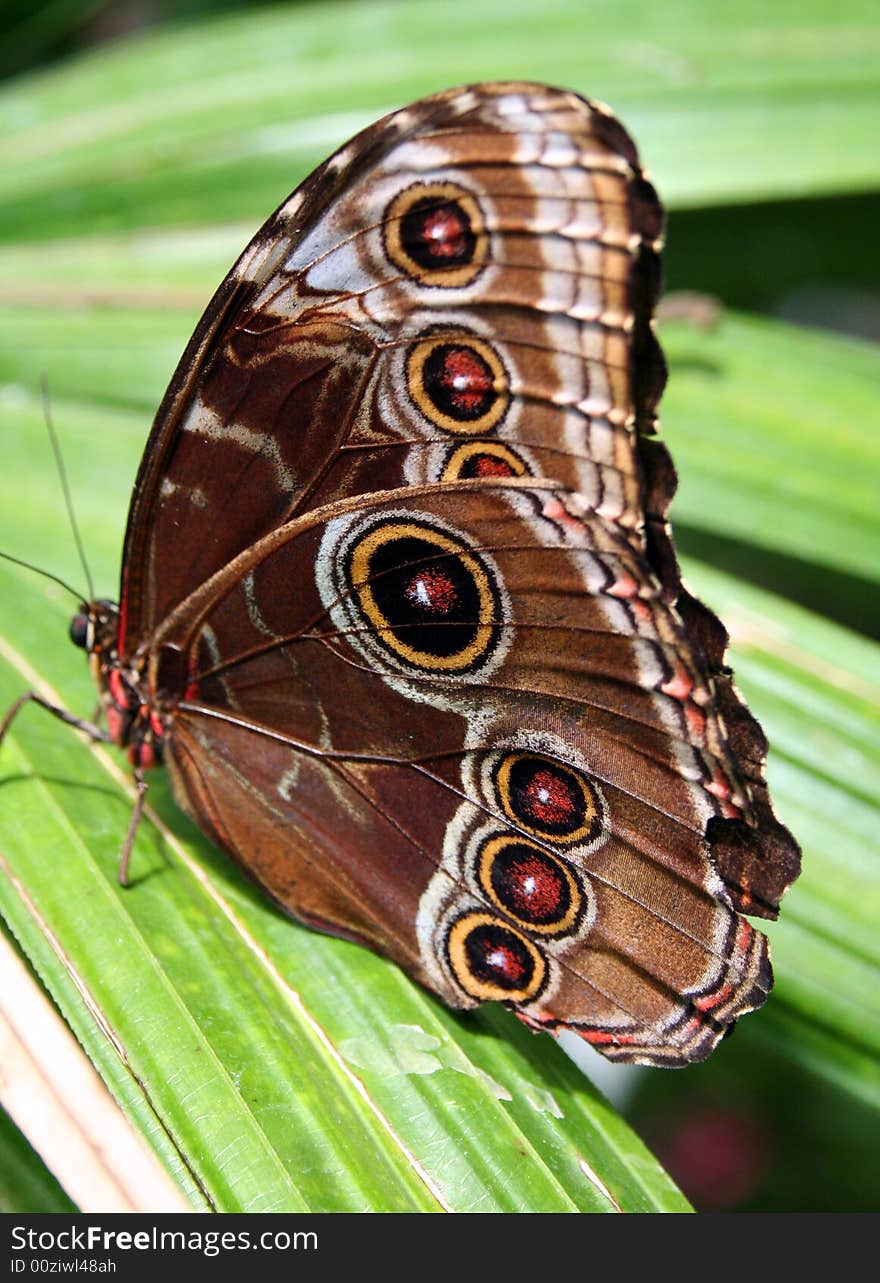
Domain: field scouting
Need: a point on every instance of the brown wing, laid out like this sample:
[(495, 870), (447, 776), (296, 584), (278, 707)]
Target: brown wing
[(458, 711), (464, 724), (462, 290)]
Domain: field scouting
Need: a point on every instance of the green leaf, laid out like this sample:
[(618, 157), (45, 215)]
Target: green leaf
[(817, 691), (26, 1184), (773, 430), (733, 102)]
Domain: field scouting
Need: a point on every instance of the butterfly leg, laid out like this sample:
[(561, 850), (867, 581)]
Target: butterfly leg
[(141, 786), (94, 732)]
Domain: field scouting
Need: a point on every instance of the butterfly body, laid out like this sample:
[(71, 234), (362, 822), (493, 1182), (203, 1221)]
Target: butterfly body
[(399, 606)]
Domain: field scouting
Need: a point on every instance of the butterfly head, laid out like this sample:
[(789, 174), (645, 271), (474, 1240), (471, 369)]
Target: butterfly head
[(130, 719), (95, 626)]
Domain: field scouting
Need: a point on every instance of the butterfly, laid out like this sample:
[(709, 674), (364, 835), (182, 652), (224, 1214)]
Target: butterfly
[(399, 607)]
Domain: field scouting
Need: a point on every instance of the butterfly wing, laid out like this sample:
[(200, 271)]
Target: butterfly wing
[(400, 559), (463, 725), (462, 290)]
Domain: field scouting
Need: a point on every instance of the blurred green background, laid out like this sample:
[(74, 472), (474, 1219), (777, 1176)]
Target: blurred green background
[(142, 145)]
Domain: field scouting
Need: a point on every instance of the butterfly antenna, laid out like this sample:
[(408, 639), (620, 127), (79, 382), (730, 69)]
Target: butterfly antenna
[(68, 501), (28, 565)]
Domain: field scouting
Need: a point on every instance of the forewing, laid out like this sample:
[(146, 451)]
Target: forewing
[(463, 290)]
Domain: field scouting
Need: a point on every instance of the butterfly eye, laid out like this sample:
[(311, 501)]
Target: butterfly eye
[(80, 631)]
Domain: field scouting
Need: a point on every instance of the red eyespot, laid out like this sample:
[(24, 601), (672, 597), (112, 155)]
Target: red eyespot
[(437, 235), (459, 383), (539, 891), (494, 962), (548, 798)]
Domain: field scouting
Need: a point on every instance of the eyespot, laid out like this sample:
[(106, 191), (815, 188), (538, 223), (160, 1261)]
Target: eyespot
[(548, 799), (431, 600), (436, 234), (537, 890), (483, 459), (458, 382), (492, 961)]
